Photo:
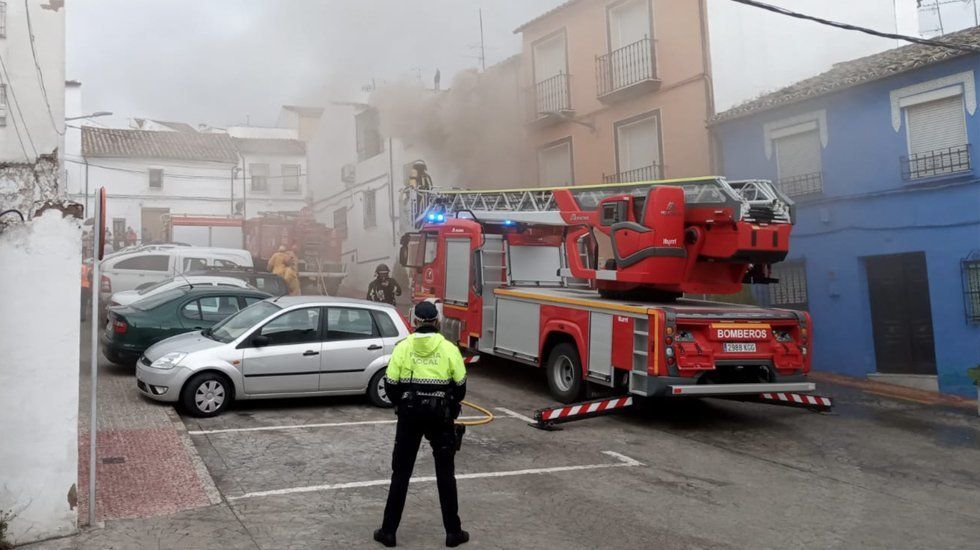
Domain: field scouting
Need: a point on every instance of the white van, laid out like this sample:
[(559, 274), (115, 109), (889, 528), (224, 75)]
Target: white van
[(128, 271)]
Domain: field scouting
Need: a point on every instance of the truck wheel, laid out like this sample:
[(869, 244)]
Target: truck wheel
[(376, 390), (565, 373)]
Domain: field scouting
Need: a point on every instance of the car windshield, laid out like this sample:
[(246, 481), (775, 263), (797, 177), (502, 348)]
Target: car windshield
[(146, 290), (241, 322), (157, 300)]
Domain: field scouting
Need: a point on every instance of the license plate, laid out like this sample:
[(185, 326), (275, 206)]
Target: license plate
[(739, 347)]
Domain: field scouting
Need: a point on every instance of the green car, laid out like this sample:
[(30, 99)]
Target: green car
[(133, 328)]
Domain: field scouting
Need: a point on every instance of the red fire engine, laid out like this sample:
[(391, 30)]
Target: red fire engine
[(517, 273), (318, 248)]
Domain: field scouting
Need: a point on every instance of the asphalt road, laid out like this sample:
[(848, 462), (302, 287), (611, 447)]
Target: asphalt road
[(877, 473)]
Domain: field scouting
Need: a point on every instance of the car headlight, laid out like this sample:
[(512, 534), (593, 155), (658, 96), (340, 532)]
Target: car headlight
[(169, 360)]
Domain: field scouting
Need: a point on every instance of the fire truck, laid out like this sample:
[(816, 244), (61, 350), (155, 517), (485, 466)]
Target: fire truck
[(518, 275), (320, 268)]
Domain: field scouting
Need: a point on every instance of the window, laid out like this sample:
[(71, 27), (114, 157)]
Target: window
[(145, 263), (431, 247), (260, 177), (296, 327), (385, 324), (156, 178), (340, 222), (971, 286), (937, 141), (193, 264), (3, 105), (630, 59), (290, 178), (349, 324), (370, 209), (226, 263), (216, 308), (3, 20), (249, 300), (798, 163), (638, 155), (555, 164), (790, 291), (368, 129), (191, 310), (550, 92)]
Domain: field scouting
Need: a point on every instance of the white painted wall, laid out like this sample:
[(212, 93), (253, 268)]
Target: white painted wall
[(32, 118), (262, 132), (188, 187), (755, 51), (39, 266), (275, 198)]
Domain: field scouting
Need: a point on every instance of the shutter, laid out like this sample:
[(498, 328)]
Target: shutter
[(555, 165), (798, 154), (936, 125), (638, 145)]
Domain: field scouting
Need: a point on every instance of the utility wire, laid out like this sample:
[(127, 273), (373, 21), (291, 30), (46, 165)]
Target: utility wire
[(172, 176), (848, 27), (37, 66), (16, 104)]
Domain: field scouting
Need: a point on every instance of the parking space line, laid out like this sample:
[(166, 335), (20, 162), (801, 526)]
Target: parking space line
[(300, 426), (513, 414), (623, 461)]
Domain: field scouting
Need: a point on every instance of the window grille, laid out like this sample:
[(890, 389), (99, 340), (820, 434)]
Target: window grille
[(971, 286), (791, 290), (3, 20), (340, 222), (3, 105)]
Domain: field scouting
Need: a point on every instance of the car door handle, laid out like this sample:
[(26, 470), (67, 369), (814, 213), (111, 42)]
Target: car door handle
[(311, 352), (374, 347)]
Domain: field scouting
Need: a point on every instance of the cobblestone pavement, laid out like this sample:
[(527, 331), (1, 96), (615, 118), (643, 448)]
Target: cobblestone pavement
[(146, 464)]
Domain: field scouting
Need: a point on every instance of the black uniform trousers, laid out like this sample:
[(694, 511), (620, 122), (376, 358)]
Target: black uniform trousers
[(408, 436)]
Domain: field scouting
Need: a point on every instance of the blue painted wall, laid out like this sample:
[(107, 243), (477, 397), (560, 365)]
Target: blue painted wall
[(866, 209)]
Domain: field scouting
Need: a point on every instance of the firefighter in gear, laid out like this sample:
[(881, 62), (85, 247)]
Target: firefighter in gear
[(383, 288), (277, 262), (426, 381), (291, 271)]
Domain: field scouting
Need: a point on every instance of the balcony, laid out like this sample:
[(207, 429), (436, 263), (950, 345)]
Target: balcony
[(549, 101), (802, 185), (645, 173), (627, 72), (940, 162)]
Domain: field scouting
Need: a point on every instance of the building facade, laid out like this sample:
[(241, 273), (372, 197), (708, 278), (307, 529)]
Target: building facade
[(878, 154), (617, 91)]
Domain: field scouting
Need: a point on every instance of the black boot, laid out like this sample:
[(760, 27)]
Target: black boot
[(455, 539), (387, 539)]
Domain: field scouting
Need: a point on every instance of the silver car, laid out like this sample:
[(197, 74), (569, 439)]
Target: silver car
[(290, 346)]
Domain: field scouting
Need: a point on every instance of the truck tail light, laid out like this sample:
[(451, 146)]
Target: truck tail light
[(106, 284)]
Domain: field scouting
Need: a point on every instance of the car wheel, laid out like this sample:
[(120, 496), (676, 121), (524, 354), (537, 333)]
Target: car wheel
[(565, 373), (207, 394), (376, 390)]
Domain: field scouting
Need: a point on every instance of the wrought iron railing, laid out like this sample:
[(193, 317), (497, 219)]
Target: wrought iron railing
[(629, 65), (645, 173), (802, 185), (939, 162), (551, 95)]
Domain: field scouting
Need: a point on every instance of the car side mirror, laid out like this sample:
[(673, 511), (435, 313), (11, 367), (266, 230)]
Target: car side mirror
[(260, 340)]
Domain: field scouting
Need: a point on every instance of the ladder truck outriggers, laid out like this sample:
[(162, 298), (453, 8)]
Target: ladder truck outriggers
[(518, 275)]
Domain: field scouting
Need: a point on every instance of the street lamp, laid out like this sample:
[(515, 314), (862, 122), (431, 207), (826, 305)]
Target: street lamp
[(93, 115)]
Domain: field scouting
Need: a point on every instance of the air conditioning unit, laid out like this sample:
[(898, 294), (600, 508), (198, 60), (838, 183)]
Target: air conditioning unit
[(348, 174)]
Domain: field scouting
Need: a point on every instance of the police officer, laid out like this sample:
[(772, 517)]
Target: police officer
[(383, 288), (426, 381)]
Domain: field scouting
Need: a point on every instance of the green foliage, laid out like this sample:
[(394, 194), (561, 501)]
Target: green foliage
[(974, 374), (5, 517)]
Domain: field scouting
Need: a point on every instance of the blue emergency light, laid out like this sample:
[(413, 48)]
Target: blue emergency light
[(433, 217), (508, 222)]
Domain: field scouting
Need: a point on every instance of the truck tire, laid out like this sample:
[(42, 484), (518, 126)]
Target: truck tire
[(565, 373)]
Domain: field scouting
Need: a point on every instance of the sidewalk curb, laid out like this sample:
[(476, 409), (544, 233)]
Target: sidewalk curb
[(207, 482), (896, 391)]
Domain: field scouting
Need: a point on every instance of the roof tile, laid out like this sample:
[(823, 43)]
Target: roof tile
[(118, 142)]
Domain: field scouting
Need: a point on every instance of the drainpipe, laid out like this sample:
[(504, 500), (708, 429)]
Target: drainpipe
[(709, 92)]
